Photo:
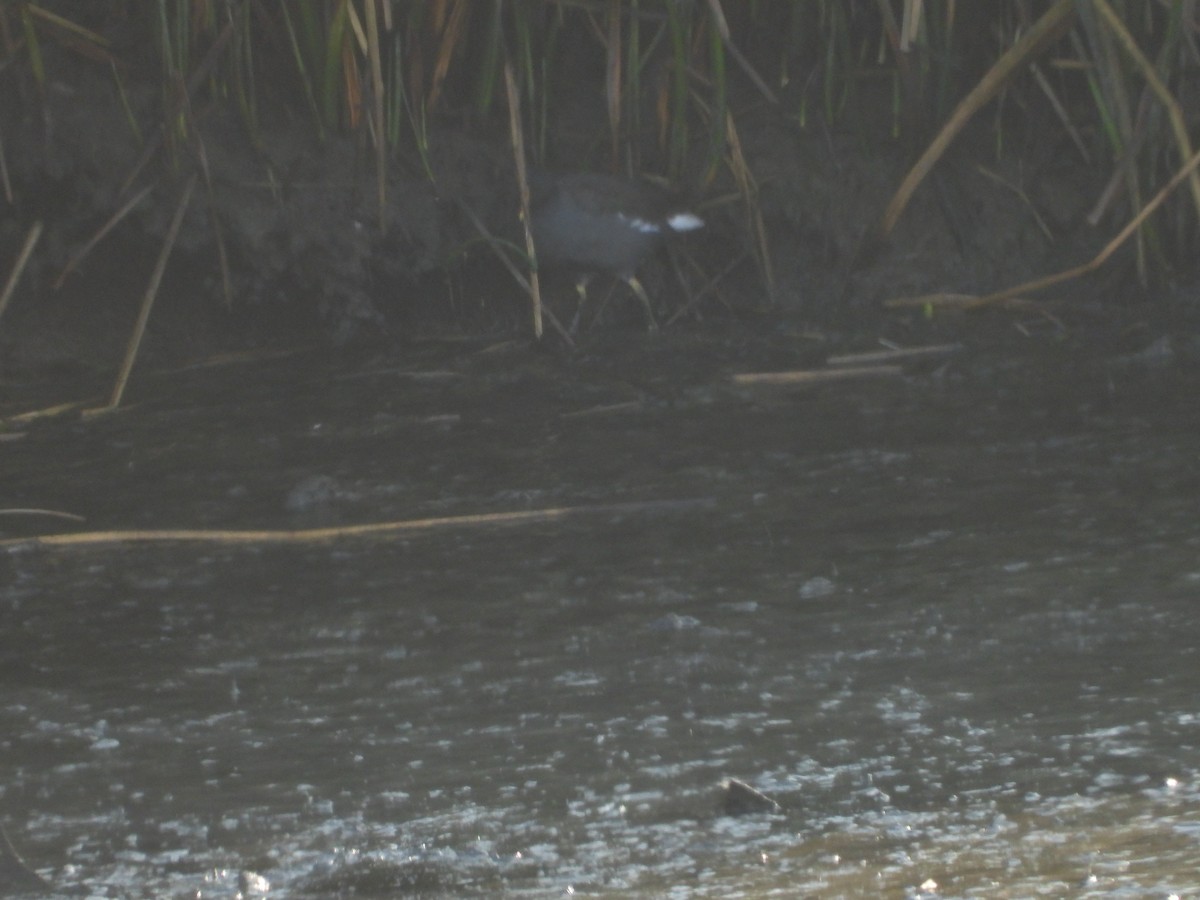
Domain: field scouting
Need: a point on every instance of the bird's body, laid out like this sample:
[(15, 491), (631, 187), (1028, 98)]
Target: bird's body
[(603, 223)]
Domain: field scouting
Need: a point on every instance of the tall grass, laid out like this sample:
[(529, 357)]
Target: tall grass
[(676, 75)]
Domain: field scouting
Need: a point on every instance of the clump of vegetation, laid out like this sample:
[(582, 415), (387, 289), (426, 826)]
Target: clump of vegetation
[(1111, 83)]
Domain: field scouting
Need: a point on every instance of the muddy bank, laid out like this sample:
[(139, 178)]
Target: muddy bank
[(310, 255)]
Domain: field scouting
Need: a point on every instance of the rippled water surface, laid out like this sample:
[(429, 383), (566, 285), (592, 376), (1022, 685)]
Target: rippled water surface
[(950, 624)]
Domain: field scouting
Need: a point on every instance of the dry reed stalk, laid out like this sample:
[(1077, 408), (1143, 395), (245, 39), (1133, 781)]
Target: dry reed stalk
[(33, 415), (504, 257), (19, 878), (1047, 29), (712, 286), (50, 513), (194, 81), (79, 255), (815, 376), (453, 28), (605, 409), (376, 63), (1175, 113), (895, 354), (613, 54), (748, 189), (1100, 258), (717, 13), (517, 136), (139, 329), (5, 181), (31, 239), (317, 535), (152, 146)]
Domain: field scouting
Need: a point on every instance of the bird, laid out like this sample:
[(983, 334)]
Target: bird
[(603, 223)]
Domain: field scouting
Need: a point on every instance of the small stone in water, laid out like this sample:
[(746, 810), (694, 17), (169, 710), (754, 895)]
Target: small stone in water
[(313, 492), (740, 800), (251, 884)]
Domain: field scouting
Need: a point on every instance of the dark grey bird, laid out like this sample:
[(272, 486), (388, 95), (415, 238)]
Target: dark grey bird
[(603, 223)]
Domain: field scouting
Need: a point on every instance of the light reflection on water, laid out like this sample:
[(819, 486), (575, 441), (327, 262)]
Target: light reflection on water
[(990, 692)]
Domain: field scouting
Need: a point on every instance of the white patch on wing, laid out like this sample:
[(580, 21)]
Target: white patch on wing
[(639, 224)]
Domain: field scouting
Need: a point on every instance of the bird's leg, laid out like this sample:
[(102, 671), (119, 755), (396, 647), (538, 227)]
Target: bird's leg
[(581, 289), (636, 287)]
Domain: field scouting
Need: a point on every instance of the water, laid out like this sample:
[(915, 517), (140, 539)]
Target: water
[(950, 625)]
